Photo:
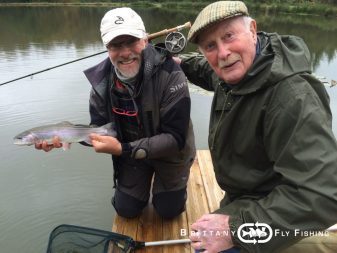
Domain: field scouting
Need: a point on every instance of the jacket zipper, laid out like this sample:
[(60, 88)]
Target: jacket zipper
[(221, 115)]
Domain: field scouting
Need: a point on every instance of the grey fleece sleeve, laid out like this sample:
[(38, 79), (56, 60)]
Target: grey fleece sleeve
[(199, 72)]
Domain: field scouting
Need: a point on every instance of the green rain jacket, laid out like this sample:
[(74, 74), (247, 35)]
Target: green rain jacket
[(271, 142)]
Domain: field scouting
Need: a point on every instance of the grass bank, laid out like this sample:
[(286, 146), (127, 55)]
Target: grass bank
[(269, 7), (273, 7), (304, 8)]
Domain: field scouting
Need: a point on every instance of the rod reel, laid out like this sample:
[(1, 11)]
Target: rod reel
[(175, 42)]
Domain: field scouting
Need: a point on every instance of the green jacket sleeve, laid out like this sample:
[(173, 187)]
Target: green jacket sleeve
[(299, 141), (199, 72)]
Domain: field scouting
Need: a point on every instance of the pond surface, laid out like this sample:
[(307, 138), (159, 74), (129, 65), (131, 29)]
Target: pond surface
[(38, 190)]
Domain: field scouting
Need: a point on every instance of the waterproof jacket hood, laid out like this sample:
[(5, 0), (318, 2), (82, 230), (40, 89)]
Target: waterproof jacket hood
[(279, 58)]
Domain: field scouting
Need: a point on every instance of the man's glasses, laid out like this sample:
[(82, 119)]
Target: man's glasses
[(124, 112), (114, 46)]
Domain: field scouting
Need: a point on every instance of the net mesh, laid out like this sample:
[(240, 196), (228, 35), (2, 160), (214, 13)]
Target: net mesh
[(75, 239)]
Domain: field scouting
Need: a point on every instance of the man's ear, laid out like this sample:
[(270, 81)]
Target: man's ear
[(253, 29), (146, 40)]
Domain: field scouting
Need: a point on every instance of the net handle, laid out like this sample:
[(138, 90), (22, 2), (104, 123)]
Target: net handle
[(166, 242)]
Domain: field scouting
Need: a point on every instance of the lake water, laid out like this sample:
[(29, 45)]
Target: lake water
[(38, 190)]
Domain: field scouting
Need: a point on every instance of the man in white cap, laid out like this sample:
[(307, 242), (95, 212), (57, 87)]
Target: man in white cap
[(143, 92), (270, 136)]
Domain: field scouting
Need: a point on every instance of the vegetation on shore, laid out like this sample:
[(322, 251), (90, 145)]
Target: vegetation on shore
[(304, 7)]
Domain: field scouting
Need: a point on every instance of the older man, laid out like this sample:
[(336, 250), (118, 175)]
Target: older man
[(270, 134), (142, 92)]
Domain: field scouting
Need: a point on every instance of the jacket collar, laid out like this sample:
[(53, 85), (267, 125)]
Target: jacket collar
[(279, 58)]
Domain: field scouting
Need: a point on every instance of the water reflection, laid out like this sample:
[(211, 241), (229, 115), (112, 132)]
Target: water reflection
[(318, 32), (44, 27), (39, 191)]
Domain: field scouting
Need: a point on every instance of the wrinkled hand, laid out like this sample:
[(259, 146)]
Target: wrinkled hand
[(106, 144), (45, 146), (211, 233)]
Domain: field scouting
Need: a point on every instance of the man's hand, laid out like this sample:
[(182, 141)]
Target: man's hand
[(48, 147), (176, 59), (106, 144), (212, 233)]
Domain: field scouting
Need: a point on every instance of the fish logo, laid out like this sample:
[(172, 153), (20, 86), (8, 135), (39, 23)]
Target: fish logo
[(261, 231), (119, 20), (255, 232)]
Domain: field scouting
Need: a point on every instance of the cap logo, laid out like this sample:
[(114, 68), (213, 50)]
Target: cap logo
[(119, 20)]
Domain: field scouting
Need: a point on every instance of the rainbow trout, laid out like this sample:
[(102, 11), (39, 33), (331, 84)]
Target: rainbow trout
[(66, 131)]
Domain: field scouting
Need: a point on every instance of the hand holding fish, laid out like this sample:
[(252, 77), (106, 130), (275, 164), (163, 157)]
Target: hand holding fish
[(106, 144), (61, 134), (45, 146)]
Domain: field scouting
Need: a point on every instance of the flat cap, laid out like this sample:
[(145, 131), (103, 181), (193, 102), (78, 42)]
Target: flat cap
[(213, 13)]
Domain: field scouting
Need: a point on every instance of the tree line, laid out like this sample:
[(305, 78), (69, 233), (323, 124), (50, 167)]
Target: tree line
[(326, 8), (333, 2)]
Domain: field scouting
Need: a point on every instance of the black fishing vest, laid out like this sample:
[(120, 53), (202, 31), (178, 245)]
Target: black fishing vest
[(126, 112)]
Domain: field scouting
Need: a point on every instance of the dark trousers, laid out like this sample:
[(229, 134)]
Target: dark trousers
[(167, 204), (136, 180)]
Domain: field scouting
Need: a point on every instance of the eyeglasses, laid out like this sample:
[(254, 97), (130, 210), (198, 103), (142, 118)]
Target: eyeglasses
[(124, 112), (114, 46)]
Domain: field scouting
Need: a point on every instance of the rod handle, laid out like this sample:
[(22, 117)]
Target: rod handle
[(167, 31)]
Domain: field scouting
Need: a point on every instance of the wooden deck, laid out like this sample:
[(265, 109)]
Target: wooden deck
[(204, 196)]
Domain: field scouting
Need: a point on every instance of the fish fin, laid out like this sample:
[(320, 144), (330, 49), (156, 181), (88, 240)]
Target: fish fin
[(84, 143), (88, 141), (111, 127), (82, 125), (65, 123), (66, 146)]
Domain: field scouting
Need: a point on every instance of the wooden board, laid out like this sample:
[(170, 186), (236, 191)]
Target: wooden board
[(203, 196)]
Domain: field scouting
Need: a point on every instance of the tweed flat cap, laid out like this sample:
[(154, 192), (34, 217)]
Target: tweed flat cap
[(213, 13)]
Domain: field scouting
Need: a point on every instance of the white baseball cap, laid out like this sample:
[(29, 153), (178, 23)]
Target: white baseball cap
[(121, 21)]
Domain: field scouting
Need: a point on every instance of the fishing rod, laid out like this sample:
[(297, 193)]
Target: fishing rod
[(44, 70), (173, 43)]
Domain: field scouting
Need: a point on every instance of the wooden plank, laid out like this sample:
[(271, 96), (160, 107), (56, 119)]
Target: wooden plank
[(213, 191), (172, 230), (196, 204), (126, 226), (203, 196), (150, 228)]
